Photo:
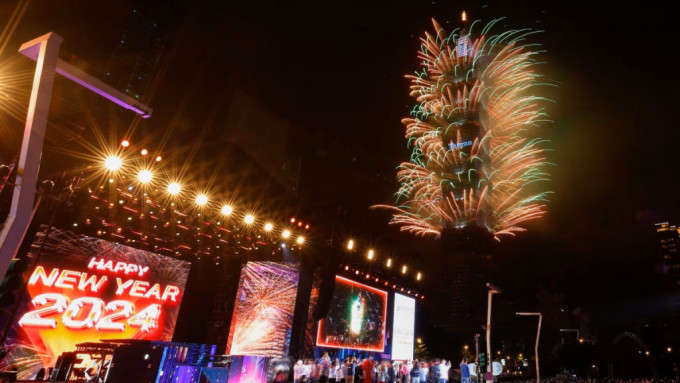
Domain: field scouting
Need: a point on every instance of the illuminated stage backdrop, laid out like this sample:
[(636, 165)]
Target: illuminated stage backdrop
[(263, 313), (84, 289), (403, 327), (356, 319)]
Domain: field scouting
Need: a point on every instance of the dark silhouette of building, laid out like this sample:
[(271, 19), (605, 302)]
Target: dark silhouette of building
[(669, 257)]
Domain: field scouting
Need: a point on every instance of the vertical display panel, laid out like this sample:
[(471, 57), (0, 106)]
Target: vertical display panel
[(263, 313), (403, 327), (84, 289), (356, 319)]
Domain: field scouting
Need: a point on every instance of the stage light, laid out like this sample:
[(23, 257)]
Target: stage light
[(249, 219), (669, 349), (403, 269), (389, 262), (350, 244), (113, 163), (285, 234), (463, 16), (159, 158), (226, 210), (418, 276), (144, 176), (371, 254), (144, 152), (201, 200), (283, 245), (174, 188), (300, 240), (268, 227), (292, 220), (125, 143)]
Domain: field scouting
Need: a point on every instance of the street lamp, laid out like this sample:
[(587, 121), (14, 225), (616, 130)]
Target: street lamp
[(538, 335), (492, 290)]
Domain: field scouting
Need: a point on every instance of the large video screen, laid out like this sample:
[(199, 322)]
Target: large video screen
[(403, 327), (263, 313), (356, 319), (84, 289)]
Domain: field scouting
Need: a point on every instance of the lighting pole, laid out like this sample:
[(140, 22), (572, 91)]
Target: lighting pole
[(538, 335), (492, 290), (44, 50)]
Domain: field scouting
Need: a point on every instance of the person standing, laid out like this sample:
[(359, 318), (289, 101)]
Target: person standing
[(359, 372), (381, 376), (415, 372), (332, 372), (464, 371), (405, 372), (367, 370), (424, 371), (324, 368), (444, 371), (297, 371), (342, 371), (391, 373), (351, 368)]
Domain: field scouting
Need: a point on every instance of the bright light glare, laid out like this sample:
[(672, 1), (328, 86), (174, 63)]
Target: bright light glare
[(174, 188), (125, 143), (145, 152), (249, 219), (144, 176), (201, 200), (226, 210), (371, 254), (300, 240), (159, 159), (113, 163), (389, 262), (350, 244), (418, 276), (403, 269), (285, 234), (268, 227)]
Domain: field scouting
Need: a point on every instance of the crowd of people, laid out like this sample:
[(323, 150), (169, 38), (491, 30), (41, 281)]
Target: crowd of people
[(354, 370)]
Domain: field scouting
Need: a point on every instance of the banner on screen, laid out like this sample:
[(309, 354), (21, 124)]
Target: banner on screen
[(403, 327), (356, 319), (263, 313), (84, 289)]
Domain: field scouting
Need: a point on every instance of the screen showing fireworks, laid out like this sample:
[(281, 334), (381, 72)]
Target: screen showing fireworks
[(263, 313), (84, 289), (356, 319)]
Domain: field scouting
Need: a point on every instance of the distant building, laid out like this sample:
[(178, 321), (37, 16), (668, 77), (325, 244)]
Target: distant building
[(131, 66), (669, 257)]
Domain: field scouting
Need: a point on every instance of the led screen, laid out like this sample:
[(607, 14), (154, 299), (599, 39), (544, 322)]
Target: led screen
[(248, 369), (356, 319), (263, 313), (403, 327), (83, 289)]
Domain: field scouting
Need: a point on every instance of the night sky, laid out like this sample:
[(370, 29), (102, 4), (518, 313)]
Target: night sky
[(335, 70)]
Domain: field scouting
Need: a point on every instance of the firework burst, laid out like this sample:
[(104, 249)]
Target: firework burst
[(476, 156)]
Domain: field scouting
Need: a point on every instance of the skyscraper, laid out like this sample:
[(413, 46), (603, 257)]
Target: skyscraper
[(669, 257), (131, 66)]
